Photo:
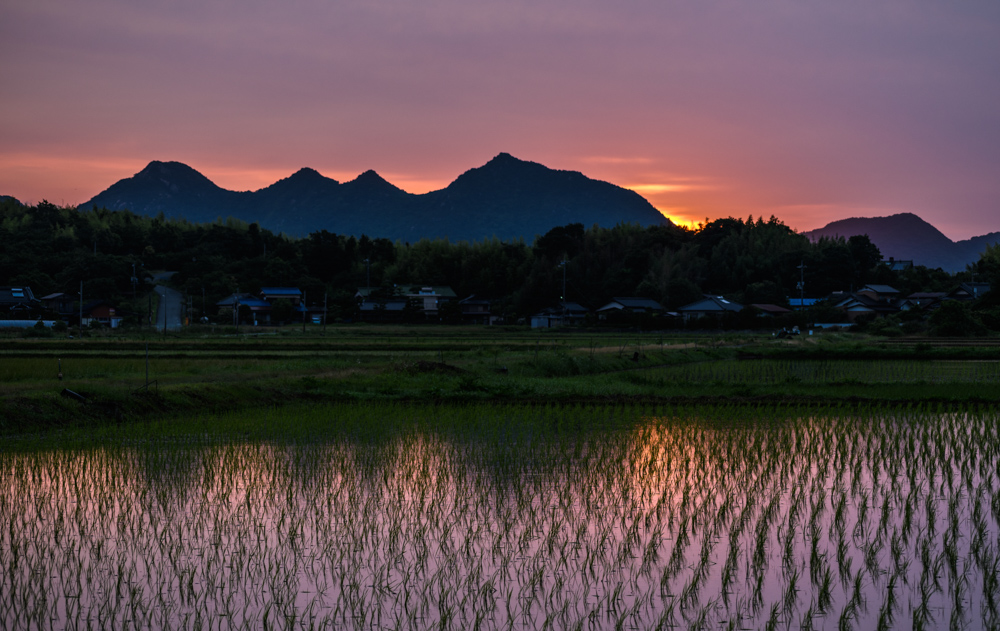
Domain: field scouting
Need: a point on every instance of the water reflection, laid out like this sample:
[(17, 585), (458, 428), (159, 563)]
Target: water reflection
[(694, 519)]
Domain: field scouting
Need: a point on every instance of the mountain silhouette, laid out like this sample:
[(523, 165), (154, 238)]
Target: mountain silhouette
[(908, 237), (506, 198)]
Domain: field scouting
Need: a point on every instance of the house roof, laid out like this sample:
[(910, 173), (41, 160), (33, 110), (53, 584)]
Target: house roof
[(973, 290), (712, 304), (472, 300), (769, 308), (860, 302), (802, 302), (569, 308), (281, 291), (881, 289), (16, 295), (922, 299), (90, 306), (247, 300), (646, 304), (231, 299), (898, 266), (54, 296)]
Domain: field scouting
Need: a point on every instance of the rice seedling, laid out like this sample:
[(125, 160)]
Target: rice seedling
[(519, 517)]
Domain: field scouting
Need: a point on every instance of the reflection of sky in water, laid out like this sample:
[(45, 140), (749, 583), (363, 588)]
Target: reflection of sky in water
[(673, 521)]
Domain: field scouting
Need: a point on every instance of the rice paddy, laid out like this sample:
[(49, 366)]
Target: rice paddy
[(400, 516), (857, 372)]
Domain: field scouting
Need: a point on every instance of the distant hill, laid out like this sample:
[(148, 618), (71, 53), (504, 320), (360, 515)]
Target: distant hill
[(507, 198), (908, 237)]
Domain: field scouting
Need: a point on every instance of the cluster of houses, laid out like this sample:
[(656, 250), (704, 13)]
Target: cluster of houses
[(421, 302), (428, 303), (274, 305), (883, 300), (20, 308), (869, 301)]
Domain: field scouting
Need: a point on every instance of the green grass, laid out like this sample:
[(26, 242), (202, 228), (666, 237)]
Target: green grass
[(224, 372)]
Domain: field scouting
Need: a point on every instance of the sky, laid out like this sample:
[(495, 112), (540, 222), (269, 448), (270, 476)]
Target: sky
[(807, 110)]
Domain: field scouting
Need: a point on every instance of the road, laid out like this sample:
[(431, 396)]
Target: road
[(170, 310)]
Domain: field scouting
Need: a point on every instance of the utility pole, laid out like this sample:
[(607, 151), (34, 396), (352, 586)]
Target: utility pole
[(305, 310), (368, 278), (81, 308), (563, 266), (324, 313), (802, 285)]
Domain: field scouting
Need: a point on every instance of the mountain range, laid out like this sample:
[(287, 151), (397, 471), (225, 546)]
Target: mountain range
[(908, 237), (507, 198)]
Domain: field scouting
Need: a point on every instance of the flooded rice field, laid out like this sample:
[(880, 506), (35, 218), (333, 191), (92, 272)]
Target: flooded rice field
[(480, 517)]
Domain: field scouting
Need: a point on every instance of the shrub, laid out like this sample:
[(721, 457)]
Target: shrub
[(955, 319), (39, 330)]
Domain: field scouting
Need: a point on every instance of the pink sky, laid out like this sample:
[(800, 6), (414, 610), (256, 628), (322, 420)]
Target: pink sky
[(811, 111)]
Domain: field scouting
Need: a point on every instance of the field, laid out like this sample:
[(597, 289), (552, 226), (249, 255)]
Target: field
[(498, 479), (410, 516), (123, 378)]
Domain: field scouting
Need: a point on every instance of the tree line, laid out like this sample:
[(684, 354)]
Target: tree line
[(52, 249)]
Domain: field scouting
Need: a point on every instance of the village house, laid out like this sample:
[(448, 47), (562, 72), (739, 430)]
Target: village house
[(59, 303), (969, 291), (376, 309), (423, 299), (18, 302), (560, 315), (476, 310), (768, 310), (883, 293), (633, 305), (270, 294), (709, 306), (260, 310), (101, 312), (861, 303), (925, 300)]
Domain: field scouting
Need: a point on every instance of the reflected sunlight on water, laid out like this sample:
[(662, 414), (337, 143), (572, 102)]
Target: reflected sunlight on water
[(703, 518)]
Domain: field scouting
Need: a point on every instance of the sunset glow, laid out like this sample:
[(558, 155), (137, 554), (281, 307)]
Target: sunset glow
[(808, 112)]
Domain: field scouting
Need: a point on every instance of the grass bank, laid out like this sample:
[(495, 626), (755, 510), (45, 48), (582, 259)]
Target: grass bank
[(106, 377)]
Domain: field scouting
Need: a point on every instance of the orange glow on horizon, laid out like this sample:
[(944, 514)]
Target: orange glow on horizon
[(687, 201), (679, 220)]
